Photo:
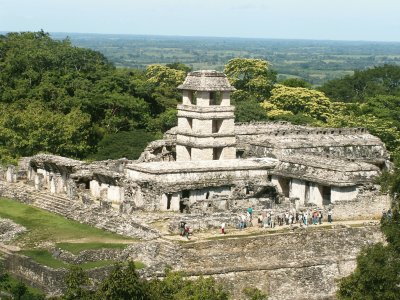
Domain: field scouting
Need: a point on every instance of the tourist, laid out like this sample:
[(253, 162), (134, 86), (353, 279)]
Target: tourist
[(272, 223), (330, 215), (182, 227), (315, 218), (320, 217), (260, 221), (305, 217), (286, 218), (265, 221), (243, 220), (250, 213), (222, 228), (186, 232)]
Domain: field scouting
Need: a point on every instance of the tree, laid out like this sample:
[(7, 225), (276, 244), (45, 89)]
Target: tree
[(176, 287), (179, 66), (251, 110), (252, 293), (164, 121), (295, 82), (4, 277), (77, 281), (26, 129), (381, 80), (377, 275), (123, 283), (129, 144), (63, 99), (294, 100), (162, 81), (385, 129), (253, 77)]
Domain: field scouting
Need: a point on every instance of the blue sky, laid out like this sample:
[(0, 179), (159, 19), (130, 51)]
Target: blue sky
[(294, 19)]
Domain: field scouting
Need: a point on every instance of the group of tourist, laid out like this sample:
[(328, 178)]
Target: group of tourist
[(270, 218)]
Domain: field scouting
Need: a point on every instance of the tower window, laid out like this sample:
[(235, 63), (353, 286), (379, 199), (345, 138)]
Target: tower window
[(169, 199), (217, 153), (192, 97), (215, 98), (190, 122), (216, 125)]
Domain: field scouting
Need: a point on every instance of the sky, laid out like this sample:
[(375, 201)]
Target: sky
[(283, 19)]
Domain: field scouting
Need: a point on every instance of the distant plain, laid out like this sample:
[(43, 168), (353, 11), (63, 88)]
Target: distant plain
[(316, 61)]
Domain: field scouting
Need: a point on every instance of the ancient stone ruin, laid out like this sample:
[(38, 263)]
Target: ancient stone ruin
[(208, 163), (208, 170)]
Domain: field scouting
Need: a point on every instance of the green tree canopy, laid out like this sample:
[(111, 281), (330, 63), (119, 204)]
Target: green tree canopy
[(381, 80), (286, 100), (252, 76)]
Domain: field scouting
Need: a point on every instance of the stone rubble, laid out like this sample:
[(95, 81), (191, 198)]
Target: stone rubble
[(9, 230)]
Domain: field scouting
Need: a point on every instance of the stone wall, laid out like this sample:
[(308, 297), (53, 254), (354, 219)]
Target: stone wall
[(45, 278), (366, 204), (303, 264)]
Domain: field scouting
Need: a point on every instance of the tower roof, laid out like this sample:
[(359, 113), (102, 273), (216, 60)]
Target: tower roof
[(206, 80)]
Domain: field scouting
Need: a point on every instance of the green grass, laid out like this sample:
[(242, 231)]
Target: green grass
[(97, 264), (46, 226), (75, 248), (44, 257), (14, 281)]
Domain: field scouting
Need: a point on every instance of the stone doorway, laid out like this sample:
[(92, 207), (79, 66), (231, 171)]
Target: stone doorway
[(326, 195)]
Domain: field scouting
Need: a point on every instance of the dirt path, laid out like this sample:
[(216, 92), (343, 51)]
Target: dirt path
[(255, 230)]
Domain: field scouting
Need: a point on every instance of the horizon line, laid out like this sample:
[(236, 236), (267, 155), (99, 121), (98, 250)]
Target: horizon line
[(203, 36)]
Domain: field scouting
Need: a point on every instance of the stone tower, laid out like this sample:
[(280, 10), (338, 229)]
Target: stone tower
[(206, 118)]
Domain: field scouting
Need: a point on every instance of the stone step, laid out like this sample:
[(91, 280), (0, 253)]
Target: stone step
[(52, 197), (49, 203), (51, 206)]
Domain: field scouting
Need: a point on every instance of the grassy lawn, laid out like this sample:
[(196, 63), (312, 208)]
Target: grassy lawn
[(44, 257), (75, 248), (46, 226)]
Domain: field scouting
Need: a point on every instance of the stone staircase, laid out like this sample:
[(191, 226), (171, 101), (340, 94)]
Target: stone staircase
[(54, 203)]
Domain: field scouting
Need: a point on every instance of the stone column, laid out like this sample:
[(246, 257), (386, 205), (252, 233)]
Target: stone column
[(94, 188), (38, 181), (275, 181), (31, 174), (11, 175), (53, 184), (316, 194), (297, 190), (60, 187), (71, 189)]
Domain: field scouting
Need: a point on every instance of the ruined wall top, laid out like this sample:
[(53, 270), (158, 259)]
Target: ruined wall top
[(41, 160), (203, 166), (326, 170), (206, 80), (286, 128)]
